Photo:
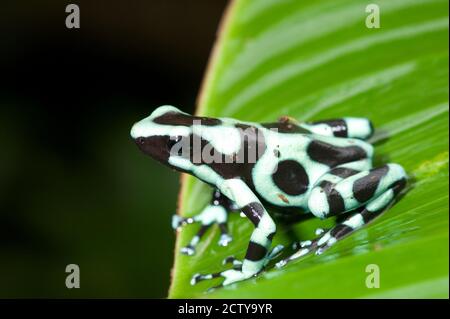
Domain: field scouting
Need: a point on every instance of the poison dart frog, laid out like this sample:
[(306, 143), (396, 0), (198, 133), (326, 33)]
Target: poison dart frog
[(321, 168)]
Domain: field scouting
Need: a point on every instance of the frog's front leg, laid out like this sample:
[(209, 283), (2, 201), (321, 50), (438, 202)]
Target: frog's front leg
[(373, 190), (215, 213), (260, 240)]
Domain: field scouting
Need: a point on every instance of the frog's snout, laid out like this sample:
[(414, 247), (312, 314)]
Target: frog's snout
[(139, 141), (135, 131)]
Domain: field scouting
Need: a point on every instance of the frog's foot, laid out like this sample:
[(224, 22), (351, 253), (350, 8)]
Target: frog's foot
[(178, 221), (190, 248), (321, 243), (236, 274), (237, 264), (318, 246), (308, 243), (230, 276), (296, 255), (301, 244), (212, 214)]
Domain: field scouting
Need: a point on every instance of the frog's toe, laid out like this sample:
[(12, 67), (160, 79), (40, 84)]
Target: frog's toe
[(301, 244), (237, 264), (224, 240), (281, 263), (178, 221), (324, 242), (199, 277), (230, 276), (188, 250), (319, 251), (319, 231), (302, 252)]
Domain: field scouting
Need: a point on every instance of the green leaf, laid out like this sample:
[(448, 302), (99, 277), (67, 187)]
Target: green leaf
[(318, 60)]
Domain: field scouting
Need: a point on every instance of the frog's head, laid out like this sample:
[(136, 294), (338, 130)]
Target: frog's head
[(166, 135), (156, 134)]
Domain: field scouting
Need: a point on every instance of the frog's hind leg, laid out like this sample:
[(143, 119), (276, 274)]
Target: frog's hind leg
[(371, 191), (353, 127), (215, 213), (329, 198), (333, 177)]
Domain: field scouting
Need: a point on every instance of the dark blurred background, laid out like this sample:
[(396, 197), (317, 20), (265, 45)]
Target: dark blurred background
[(73, 187)]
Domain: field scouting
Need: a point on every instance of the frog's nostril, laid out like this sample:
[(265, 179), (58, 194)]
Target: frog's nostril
[(140, 140)]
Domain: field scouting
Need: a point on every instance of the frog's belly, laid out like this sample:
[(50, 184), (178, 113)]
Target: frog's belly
[(286, 181)]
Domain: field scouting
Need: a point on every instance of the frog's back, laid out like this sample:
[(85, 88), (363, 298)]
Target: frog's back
[(295, 158)]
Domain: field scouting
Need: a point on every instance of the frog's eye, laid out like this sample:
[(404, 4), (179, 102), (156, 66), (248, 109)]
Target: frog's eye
[(172, 141)]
